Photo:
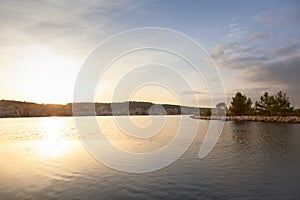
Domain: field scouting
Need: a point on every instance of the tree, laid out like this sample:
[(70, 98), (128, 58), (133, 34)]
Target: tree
[(207, 112), (282, 104), (278, 104), (240, 105), (297, 112), (264, 105)]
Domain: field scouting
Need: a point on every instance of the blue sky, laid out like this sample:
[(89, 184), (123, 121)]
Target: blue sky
[(43, 45)]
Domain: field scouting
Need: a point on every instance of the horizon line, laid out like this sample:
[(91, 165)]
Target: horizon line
[(31, 102)]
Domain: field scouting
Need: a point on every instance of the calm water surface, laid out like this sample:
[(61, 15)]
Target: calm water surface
[(42, 158)]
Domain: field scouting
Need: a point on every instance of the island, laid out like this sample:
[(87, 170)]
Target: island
[(269, 108)]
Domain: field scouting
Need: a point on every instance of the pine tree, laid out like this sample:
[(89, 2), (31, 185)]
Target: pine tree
[(278, 104), (240, 105)]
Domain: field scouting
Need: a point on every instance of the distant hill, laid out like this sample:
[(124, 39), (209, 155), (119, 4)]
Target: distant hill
[(9, 108)]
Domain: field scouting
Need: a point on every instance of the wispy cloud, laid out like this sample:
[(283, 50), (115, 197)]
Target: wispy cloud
[(75, 26), (289, 49), (241, 55), (203, 93), (289, 16), (236, 56), (257, 37), (235, 30), (192, 92)]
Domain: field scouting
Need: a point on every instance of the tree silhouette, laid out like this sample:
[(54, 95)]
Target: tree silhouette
[(240, 105), (264, 105), (278, 104)]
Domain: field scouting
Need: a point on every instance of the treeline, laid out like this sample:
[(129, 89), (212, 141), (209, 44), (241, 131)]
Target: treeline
[(267, 105), (27, 109)]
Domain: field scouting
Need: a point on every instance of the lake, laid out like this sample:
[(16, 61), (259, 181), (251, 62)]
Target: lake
[(43, 158)]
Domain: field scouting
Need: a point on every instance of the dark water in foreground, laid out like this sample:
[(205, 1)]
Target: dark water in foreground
[(42, 158)]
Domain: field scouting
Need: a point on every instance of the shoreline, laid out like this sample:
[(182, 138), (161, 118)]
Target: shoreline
[(277, 119)]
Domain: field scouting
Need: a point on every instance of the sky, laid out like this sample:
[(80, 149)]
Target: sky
[(254, 46)]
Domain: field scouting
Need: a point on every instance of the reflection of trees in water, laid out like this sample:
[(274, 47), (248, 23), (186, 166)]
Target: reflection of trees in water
[(263, 141), (256, 156)]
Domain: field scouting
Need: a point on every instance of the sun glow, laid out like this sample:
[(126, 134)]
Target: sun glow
[(45, 76), (54, 148), (53, 127), (54, 144)]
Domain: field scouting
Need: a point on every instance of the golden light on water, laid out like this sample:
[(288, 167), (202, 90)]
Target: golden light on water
[(53, 144), (53, 148), (53, 128)]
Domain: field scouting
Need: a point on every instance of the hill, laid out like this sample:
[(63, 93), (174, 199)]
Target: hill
[(9, 108)]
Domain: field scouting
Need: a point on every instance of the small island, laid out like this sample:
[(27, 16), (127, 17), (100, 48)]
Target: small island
[(274, 108)]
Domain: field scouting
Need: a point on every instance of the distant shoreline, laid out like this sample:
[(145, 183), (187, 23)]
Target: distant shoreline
[(278, 119), (10, 109)]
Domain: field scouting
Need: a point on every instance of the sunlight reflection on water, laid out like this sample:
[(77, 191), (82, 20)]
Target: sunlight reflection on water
[(42, 158), (53, 148)]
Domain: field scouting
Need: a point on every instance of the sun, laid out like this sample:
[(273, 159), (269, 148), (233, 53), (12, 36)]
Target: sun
[(45, 76)]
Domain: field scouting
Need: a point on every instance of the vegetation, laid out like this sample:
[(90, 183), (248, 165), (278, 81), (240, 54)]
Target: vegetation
[(297, 112), (278, 104), (207, 112), (274, 105), (240, 105), (26, 109)]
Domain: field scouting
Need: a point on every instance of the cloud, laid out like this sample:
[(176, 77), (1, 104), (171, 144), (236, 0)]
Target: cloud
[(240, 55), (287, 50), (263, 61), (244, 50), (281, 71), (282, 74), (192, 92), (69, 26), (266, 18), (236, 30), (257, 37), (207, 94), (235, 56), (289, 16)]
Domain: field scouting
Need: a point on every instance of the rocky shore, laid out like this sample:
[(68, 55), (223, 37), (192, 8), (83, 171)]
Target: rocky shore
[(279, 119)]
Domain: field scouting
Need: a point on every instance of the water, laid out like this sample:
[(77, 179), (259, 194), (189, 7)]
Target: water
[(42, 158)]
